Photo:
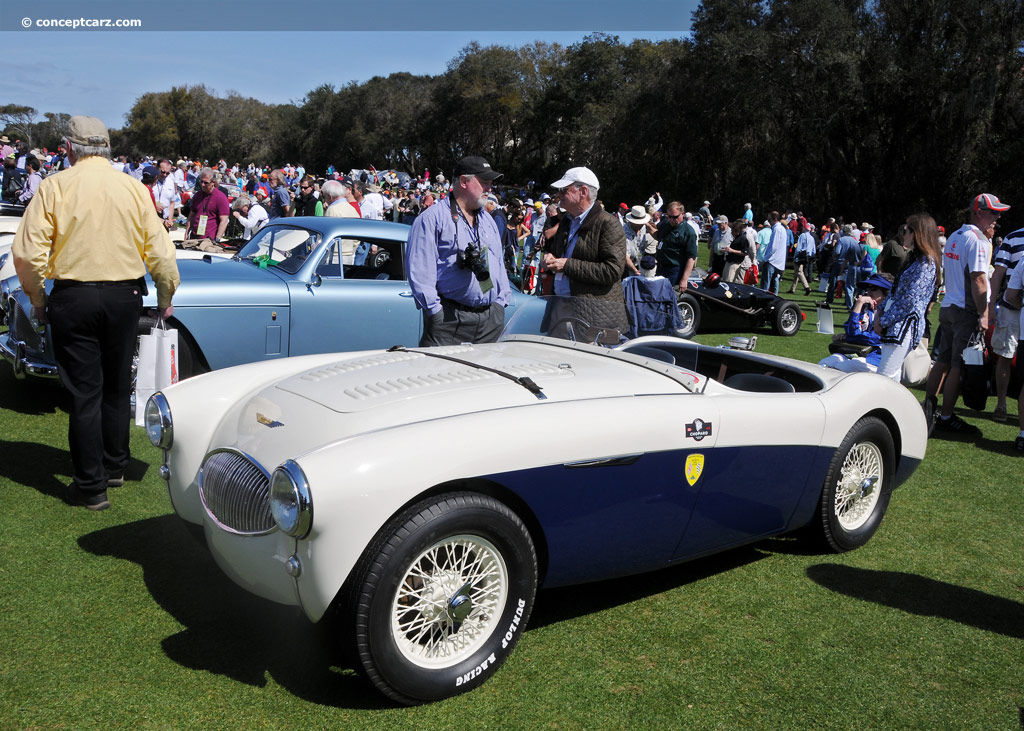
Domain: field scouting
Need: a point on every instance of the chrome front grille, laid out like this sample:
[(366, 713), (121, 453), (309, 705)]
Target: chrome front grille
[(20, 326), (235, 490)]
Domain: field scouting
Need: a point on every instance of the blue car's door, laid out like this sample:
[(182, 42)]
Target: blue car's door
[(342, 307)]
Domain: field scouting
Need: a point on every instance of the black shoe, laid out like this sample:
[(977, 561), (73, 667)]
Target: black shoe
[(91, 500), (1019, 443), (117, 481), (956, 425)]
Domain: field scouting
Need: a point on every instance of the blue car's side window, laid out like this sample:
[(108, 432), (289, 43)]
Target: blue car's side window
[(376, 259), (330, 264)]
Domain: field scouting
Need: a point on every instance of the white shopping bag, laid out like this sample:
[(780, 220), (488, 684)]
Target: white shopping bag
[(826, 325), (158, 366), (974, 353)]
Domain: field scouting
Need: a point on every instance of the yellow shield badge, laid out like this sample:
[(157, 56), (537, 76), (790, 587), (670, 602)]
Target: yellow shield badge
[(694, 467)]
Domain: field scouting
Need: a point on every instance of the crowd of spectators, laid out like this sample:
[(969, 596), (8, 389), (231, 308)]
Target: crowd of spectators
[(843, 261)]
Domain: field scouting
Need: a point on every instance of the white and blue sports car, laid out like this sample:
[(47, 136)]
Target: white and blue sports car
[(379, 485)]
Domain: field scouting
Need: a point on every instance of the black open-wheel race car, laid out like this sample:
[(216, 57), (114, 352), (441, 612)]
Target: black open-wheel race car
[(712, 304)]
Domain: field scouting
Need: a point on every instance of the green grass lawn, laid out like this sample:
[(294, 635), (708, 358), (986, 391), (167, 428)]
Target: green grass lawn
[(119, 619)]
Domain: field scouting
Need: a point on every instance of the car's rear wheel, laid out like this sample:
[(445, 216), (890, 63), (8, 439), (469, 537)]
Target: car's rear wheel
[(441, 596), (788, 319), (857, 487), (689, 313)]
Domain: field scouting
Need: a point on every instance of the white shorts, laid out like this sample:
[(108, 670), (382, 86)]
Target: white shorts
[(1006, 332)]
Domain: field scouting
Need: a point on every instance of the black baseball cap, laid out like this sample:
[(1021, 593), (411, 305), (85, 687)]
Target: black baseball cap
[(476, 166)]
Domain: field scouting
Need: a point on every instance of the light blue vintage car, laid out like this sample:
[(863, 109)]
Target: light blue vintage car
[(289, 291)]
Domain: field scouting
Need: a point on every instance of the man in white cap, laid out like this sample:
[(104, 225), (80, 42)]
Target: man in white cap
[(705, 213), (639, 238), (92, 231), (964, 310), (588, 254)]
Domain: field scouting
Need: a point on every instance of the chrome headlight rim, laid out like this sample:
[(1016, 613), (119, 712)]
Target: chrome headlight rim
[(159, 427), (291, 502)]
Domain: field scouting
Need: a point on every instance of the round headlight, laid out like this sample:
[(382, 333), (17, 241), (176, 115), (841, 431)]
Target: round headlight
[(158, 421), (290, 501)]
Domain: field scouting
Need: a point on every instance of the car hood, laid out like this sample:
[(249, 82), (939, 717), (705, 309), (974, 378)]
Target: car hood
[(378, 390), (225, 282)]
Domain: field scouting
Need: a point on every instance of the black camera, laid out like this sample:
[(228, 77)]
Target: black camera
[(474, 259)]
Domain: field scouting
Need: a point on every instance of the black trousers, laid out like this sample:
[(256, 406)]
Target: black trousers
[(95, 327)]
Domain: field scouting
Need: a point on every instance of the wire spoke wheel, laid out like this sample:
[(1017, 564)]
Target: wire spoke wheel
[(441, 596), (689, 314), (686, 314), (859, 485), (449, 601)]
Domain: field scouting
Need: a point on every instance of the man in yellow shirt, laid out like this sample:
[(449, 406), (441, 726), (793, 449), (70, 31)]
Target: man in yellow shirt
[(94, 232)]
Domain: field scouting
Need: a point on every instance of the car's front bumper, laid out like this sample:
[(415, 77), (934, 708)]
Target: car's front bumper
[(23, 360)]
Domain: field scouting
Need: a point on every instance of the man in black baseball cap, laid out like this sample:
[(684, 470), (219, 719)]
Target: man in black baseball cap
[(454, 263), (476, 166)]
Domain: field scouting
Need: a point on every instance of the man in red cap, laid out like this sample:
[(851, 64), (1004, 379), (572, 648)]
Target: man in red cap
[(964, 308)]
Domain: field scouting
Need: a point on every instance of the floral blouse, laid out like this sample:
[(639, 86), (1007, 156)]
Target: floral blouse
[(906, 306)]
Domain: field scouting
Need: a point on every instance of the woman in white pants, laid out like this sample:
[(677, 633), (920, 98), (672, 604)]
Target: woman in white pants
[(901, 324)]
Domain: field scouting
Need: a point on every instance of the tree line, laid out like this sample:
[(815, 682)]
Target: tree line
[(848, 108)]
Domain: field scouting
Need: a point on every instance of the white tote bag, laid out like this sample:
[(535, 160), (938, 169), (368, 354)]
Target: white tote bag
[(158, 366)]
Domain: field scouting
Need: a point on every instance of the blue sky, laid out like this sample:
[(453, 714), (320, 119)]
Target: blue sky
[(102, 73)]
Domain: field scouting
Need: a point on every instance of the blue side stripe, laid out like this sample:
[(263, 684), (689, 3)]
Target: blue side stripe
[(608, 521)]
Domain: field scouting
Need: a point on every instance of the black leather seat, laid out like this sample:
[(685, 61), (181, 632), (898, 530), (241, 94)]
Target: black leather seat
[(759, 383)]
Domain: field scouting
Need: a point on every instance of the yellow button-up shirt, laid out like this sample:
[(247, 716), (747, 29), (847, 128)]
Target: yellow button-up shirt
[(92, 223)]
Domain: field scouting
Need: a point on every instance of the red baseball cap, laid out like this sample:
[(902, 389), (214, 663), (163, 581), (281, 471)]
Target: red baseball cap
[(988, 202)]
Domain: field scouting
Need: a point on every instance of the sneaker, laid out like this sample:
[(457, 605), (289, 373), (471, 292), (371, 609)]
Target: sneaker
[(115, 481), (999, 414), (91, 500), (956, 425), (1019, 443)]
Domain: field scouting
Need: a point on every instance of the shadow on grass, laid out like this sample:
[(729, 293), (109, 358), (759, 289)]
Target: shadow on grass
[(924, 597), (39, 466), (31, 396), (999, 446), (47, 469), (229, 631), (558, 605)]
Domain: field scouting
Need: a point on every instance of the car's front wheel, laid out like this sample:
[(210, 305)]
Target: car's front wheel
[(857, 487), (441, 597), (689, 313)]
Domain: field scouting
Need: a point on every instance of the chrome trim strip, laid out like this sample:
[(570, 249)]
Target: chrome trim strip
[(622, 461), (14, 352)]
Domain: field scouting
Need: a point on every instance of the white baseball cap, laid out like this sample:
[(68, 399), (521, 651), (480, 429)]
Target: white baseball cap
[(576, 175)]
